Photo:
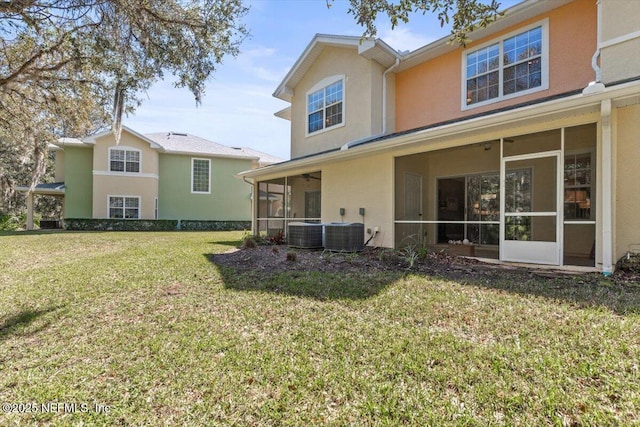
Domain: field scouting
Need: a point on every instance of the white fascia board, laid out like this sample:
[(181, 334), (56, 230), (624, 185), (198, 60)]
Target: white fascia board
[(512, 16), (284, 91), (69, 142), (570, 103), (92, 139), (210, 155)]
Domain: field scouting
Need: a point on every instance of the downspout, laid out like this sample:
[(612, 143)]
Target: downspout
[(596, 86), (384, 94)]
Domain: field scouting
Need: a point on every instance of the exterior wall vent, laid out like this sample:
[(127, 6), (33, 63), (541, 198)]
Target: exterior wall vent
[(344, 236), (304, 235)]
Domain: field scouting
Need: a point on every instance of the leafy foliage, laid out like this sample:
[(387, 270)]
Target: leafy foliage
[(466, 15), (68, 66)]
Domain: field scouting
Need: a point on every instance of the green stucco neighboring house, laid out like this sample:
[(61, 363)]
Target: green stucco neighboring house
[(77, 181), (229, 198), (164, 176)]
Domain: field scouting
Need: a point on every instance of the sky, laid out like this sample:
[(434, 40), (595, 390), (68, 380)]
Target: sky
[(238, 107)]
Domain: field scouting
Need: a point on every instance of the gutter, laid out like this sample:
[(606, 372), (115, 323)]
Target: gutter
[(474, 124)]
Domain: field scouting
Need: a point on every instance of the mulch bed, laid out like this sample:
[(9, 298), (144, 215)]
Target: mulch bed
[(274, 259)]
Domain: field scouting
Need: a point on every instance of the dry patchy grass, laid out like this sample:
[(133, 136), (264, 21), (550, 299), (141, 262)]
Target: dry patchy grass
[(147, 324)]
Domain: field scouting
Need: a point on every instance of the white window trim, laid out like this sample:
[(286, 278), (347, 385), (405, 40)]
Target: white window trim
[(125, 197), (320, 85), (544, 69), (191, 182), (124, 172), (592, 185), (127, 174)]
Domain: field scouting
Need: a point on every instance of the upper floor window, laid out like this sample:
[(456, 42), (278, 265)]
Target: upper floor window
[(200, 176), (515, 65), (324, 106), (124, 160)]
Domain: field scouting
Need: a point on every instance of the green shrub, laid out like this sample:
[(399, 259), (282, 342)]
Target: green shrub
[(89, 224), (200, 225), (17, 222)]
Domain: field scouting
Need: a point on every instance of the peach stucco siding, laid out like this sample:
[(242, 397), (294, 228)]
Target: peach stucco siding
[(431, 92)]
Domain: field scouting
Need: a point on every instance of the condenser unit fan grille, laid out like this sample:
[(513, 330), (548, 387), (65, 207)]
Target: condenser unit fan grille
[(348, 237), (304, 235)]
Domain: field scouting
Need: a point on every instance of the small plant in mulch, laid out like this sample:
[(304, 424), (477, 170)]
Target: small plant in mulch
[(278, 238), (249, 243), (629, 266), (292, 256)]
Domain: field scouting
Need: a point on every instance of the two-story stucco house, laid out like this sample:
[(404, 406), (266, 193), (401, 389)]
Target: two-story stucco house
[(526, 142), (154, 176)]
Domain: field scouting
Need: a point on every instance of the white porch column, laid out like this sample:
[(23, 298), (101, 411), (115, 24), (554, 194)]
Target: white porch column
[(29, 210), (255, 199), (607, 189)]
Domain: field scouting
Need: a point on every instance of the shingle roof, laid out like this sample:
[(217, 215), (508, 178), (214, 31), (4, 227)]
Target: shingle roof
[(265, 158), (173, 142)]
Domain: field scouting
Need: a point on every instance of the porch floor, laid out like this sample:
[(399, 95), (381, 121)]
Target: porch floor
[(492, 254)]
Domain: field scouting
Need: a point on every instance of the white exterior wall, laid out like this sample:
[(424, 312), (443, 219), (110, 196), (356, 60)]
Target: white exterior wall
[(620, 40), (361, 183)]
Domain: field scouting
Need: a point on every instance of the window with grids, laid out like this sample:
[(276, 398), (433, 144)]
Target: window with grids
[(122, 207), (200, 171), (124, 160), (324, 107), (577, 187), (510, 67)]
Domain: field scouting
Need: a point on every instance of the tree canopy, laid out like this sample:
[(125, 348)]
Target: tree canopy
[(466, 15), (68, 66)]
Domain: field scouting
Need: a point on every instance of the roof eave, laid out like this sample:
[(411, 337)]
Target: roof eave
[(212, 155), (92, 139), (370, 48), (512, 16), (569, 103)]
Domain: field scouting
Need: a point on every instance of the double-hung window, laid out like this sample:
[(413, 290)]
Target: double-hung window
[(122, 207), (578, 172), (325, 106), (512, 66), (201, 176), (124, 160)]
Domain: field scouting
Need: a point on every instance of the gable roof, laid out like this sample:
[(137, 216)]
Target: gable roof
[(379, 51), (370, 48), (512, 16), (184, 143), (92, 139), (179, 143), (264, 158)]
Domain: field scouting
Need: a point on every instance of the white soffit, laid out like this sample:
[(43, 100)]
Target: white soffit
[(285, 113)]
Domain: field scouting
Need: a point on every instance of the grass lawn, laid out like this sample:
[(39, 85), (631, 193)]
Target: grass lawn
[(146, 324)]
